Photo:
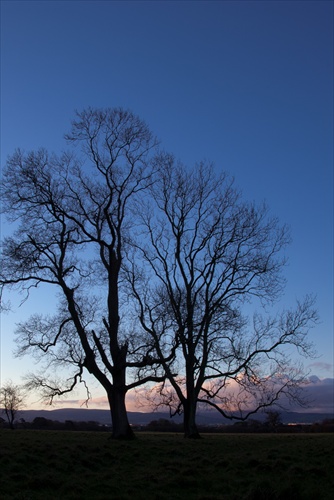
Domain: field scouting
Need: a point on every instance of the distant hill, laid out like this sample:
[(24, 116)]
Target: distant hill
[(140, 418)]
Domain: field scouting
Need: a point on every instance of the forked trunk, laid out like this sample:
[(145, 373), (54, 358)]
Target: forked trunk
[(121, 428)]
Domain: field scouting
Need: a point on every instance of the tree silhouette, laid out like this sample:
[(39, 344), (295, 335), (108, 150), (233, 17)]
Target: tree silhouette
[(75, 213), (204, 255), (11, 401), (273, 418), (153, 265)]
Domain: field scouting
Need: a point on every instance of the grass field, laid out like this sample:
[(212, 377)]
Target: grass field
[(50, 465)]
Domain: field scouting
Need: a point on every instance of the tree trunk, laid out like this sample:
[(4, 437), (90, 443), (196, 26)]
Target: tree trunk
[(189, 420), (121, 428)]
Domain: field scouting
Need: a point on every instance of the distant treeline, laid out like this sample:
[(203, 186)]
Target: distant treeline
[(42, 423), (165, 425)]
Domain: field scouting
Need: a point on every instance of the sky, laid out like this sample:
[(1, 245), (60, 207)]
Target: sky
[(245, 84)]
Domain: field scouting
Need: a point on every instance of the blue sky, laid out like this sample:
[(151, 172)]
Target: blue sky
[(247, 85)]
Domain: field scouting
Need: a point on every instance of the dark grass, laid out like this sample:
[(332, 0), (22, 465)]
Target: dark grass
[(86, 465)]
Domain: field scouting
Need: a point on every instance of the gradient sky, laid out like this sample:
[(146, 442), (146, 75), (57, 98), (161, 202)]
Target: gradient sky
[(245, 84)]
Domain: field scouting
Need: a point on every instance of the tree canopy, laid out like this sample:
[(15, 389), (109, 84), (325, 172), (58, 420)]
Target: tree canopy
[(206, 254), (153, 264), (74, 213)]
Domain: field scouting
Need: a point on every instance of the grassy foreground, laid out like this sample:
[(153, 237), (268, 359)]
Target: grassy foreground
[(86, 465)]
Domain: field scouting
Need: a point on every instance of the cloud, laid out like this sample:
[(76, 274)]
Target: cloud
[(320, 393), (99, 402), (135, 401), (323, 367)]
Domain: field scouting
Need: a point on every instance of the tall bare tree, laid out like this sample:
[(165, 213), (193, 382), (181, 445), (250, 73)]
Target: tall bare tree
[(74, 214), (206, 254)]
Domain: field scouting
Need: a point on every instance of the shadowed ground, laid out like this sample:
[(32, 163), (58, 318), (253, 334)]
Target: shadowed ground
[(84, 465)]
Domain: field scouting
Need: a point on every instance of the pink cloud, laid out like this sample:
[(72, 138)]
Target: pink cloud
[(319, 392)]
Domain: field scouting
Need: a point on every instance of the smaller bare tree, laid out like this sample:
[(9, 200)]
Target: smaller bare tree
[(273, 419), (11, 401)]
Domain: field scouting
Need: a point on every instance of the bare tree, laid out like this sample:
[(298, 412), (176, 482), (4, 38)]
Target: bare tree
[(11, 401), (273, 419), (206, 254), (75, 214)]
